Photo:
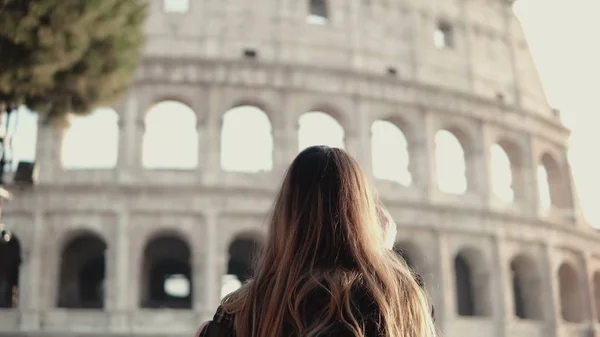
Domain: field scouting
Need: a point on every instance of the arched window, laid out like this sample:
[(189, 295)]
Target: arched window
[(571, 296), (443, 36), (319, 128), (551, 186), (502, 177), (319, 13), (171, 137), (389, 149), (243, 252), (246, 140), (92, 141), (471, 281), (10, 261), (82, 273), (597, 294), (167, 274), (526, 282), (451, 164)]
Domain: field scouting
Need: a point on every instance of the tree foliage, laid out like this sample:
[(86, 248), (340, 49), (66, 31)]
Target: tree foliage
[(68, 56)]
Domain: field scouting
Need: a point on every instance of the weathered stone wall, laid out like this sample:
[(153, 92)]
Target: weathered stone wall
[(338, 68)]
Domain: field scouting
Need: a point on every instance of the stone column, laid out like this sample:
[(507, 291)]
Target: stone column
[(478, 165), (502, 295), (435, 282), (212, 270), (211, 142), (588, 292), (30, 276), (48, 152), (550, 290), (530, 179), (362, 135), (120, 282), (447, 311), (284, 135), (422, 165), (290, 128), (131, 128)]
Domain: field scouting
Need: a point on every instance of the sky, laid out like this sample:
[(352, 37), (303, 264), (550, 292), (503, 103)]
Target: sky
[(562, 37), (560, 34)]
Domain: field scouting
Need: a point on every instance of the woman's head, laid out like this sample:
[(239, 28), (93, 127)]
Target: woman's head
[(327, 230), (325, 215)]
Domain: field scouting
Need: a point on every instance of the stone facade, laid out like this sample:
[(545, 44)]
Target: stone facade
[(372, 60)]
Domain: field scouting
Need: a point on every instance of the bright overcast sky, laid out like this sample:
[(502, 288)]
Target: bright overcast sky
[(563, 40)]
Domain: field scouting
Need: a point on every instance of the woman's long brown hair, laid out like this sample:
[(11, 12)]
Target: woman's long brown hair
[(325, 234)]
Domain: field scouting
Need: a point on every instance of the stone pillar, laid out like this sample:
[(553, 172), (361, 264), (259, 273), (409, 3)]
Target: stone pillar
[(550, 290), (30, 276), (211, 142), (48, 152), (436, 280), (502, 295), (362, 135), (212, 270), (447, 311), (290, 129), (284, 135), (131, 129), (120, 281), (422, 165), (478, 165), (530, 179), (588, 292)]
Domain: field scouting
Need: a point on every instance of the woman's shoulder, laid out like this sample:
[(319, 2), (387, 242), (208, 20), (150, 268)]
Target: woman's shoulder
[(222, 324)]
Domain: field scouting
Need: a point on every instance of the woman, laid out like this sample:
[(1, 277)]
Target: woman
[(327, 268)]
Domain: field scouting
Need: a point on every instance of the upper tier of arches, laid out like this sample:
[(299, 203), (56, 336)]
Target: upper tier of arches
[(249, 140)]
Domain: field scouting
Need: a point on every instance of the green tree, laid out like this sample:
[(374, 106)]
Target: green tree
[(68, 56)]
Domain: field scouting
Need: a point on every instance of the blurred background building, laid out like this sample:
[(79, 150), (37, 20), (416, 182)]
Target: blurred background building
[(147, 212)]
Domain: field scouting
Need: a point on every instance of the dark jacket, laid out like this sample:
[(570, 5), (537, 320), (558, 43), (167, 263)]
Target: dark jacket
[(364, 309)]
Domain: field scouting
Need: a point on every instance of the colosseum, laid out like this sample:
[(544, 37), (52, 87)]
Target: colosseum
[(145, 212)]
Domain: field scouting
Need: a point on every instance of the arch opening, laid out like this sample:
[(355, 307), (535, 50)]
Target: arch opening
[(390, 153), (170, 137), (443, 37), (472, 284), (571, 296), (92, 141), (552, 190), (246, 140), (318, 12), (319, 128), (82, 273), (451, 163), (10, 263), (167, 274), (243, 253), (502, 174), (526, 284)]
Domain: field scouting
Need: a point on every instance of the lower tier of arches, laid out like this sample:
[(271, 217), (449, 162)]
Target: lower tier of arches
[(158, 264)]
